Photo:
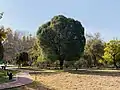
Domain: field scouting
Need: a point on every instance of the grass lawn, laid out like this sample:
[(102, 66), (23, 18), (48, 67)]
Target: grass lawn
[(4, 77)]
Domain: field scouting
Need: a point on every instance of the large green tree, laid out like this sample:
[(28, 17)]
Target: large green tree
[(62, 39), (112, 52)]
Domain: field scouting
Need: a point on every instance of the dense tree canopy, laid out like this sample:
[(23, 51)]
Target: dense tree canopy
[(62, 38), (22, 58), (36, 53), (112, 52)]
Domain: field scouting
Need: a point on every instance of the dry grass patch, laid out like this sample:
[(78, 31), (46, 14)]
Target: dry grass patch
[(81, 81)]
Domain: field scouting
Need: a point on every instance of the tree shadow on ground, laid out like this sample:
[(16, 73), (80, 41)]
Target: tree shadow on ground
[(33, 86), (43, 73), (36, 86), (31, 69), (95, 72)]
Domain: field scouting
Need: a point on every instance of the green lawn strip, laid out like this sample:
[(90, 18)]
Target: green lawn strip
[(4, 77)]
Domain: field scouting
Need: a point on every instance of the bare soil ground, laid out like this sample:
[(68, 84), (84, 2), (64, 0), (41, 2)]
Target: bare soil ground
[(80, 80)]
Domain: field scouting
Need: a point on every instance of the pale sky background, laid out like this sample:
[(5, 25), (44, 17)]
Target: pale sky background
[(95, 15)]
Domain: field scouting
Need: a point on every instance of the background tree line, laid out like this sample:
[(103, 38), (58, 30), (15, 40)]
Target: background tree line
[(60, 42)]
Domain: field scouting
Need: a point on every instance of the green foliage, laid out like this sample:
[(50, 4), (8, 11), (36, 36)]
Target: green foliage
[(1, 15), (69, 64), (94, 49), (79, 63), (22, 58), (3, 75), (36, 53), (40, 59), (2, 38), (3, 34), (112, 52), (62, 38)]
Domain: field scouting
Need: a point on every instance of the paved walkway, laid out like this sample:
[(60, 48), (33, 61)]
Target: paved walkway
[(22, 78)]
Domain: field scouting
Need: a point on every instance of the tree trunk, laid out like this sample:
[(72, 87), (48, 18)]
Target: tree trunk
[(89, 63), (76, 68), (61, 64), (1, 51), (95, 60), (114, 61), (115, 65)]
